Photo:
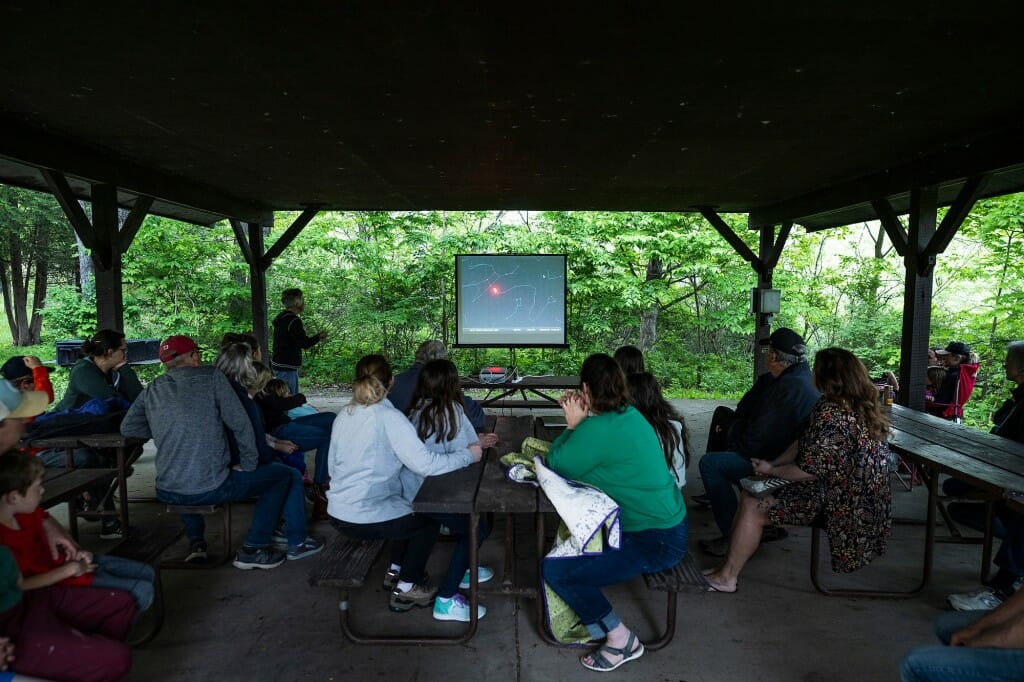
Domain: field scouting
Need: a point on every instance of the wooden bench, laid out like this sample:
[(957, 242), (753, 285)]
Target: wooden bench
[(345, 565), (147, 545), (66, 485), (204, 510)]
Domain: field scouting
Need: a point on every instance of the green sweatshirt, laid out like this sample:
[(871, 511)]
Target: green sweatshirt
[(87, 381), (10, 593), (619, 453)]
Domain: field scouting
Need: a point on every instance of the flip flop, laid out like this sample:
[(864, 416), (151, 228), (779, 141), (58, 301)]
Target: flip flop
[(712, 588), (603, 665)]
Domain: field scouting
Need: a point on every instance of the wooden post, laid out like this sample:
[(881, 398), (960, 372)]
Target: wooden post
[(106, 257), (763, 321), (258, 287), (917, 298)]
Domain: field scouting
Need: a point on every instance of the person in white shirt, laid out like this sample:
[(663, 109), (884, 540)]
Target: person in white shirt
[(375, 456)]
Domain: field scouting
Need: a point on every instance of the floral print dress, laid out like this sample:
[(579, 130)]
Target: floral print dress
[(851, 494)]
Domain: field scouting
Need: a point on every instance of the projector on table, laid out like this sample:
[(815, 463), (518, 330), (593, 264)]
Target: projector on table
[(492, 375)]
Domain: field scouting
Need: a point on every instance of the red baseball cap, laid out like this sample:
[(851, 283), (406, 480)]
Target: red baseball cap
[(174, 346)]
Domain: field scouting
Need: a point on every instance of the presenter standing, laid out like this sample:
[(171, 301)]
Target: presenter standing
[(290, 339)]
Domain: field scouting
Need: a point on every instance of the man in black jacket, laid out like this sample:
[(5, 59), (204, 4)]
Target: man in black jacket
[(768, 418), (290, 339)]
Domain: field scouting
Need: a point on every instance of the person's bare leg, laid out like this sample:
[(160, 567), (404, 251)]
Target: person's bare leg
[(746, 536)]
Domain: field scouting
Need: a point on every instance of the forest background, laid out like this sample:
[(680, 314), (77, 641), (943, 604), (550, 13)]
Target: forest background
[(666, 282)]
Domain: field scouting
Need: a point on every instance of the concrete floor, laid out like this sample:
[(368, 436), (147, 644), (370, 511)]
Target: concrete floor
[(227, 624)]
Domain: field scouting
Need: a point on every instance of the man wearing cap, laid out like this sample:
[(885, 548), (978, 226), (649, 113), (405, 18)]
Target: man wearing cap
[(27, 373), (187, 412), (769, 417)]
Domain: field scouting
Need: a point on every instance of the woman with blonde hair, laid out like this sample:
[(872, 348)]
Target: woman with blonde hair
[(375, 462), (839, 470)]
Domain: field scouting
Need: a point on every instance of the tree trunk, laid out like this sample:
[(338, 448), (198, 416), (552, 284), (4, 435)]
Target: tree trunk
[(648, 328), (39, 285), (86, 275), (19, 294), (649, 317), (8, 308)]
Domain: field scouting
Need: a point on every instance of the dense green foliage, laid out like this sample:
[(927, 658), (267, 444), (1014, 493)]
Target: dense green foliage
[(668, 282)]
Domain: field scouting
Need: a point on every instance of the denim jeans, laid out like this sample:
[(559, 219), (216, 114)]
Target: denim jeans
[(721, 473), (134, 577), (458, 524), (309, 433), (290, 377), (412, 535), (960, 663), (278, 492), (577, 580)]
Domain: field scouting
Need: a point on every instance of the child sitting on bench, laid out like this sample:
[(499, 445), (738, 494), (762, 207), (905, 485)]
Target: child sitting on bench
[(25, 529)]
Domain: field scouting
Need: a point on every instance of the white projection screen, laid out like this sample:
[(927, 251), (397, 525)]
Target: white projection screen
[(514, 301)]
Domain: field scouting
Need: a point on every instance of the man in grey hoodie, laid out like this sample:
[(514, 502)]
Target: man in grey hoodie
[(187, 412)]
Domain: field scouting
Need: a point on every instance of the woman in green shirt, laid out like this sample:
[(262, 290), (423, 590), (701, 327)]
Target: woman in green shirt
[(103, 373), (609, 445)]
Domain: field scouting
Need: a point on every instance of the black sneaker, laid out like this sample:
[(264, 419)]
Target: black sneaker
[(258, 557), (196, 552), (311, 545), (110, 529)]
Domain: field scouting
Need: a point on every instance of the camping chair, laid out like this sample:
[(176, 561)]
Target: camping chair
[(954, 411)]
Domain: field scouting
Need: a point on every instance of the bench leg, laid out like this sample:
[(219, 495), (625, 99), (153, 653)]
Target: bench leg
[(670, 626), (474, 594)]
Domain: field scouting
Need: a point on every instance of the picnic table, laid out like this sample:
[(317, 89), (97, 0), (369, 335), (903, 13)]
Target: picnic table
[(126, 450), (537, 385), (984, 460)]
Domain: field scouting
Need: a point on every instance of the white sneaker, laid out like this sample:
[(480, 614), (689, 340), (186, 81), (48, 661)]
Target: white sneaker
[(456, 608), (984, 599), (483, 574)]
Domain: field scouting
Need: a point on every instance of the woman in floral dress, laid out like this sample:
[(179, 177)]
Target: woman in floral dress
[(840, 475)]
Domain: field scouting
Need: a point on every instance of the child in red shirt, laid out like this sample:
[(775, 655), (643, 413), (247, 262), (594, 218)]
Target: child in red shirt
[(35, 538)]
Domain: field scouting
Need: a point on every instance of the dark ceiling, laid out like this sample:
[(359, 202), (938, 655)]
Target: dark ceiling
[(802, 113)]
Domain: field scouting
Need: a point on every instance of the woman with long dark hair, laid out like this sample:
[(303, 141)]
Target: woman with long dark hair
[(645, 395), (840, 473), (608, 444), (442, 424)]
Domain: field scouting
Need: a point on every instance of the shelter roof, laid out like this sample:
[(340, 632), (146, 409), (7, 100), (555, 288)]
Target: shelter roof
[(784, 111)]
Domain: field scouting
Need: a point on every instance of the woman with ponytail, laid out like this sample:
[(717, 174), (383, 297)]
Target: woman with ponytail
[(376, 461)]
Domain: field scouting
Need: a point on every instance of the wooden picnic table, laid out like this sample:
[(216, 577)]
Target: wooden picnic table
[(984, 460), (66, 485), (122, 448)]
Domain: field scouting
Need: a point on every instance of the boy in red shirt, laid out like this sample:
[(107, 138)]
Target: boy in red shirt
[(34, 538)]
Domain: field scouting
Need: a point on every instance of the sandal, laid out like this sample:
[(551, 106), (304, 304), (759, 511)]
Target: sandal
[(628, 653)]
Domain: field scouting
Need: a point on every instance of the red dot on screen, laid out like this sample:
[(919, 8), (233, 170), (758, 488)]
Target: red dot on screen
[(495, 291)]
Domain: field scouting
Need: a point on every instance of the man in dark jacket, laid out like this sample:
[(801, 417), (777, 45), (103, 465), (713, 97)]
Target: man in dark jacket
[(768, 419), (404, 386), (290, 339)]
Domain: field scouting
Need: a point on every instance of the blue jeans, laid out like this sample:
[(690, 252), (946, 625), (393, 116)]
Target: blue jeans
[(290, 377), (458, 524), (278, 492), (577, 580), (960, 663), (134, 577), (311, 432), (721, 473)]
